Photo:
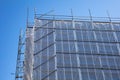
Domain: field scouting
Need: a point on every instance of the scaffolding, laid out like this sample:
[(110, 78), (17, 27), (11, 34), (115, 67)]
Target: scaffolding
[(19, 74), (42, 39)]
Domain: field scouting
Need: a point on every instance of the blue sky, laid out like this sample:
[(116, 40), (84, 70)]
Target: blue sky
[(13, 17)]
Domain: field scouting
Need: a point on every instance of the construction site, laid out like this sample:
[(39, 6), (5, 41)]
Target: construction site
[(62, 47)]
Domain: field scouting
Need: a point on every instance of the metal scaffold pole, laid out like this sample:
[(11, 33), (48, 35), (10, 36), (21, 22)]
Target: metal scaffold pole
[(20, 59)]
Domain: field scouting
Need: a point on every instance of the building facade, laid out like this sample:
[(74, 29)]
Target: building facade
[(67, 49)]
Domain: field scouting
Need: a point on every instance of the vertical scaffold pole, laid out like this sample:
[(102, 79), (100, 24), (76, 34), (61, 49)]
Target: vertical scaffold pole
[(90, 15)]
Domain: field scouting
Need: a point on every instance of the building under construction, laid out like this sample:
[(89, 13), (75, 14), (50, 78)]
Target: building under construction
[(61, 47)]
